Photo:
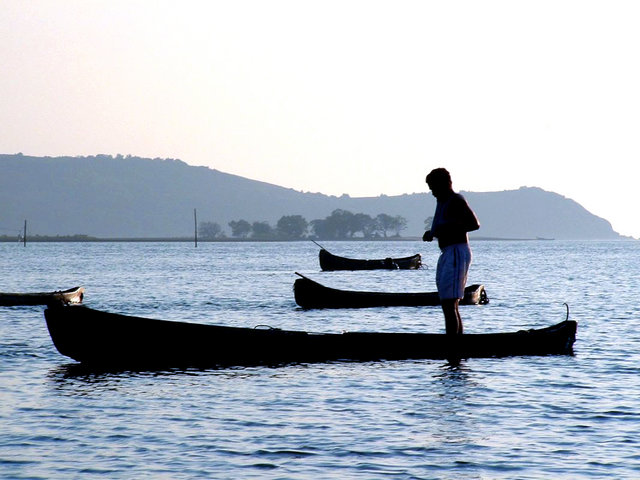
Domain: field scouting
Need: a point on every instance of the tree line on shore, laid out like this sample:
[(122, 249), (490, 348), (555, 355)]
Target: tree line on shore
[(340, 225)]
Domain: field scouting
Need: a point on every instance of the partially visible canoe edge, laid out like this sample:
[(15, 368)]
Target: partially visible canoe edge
[(71, 296), (105, 339)]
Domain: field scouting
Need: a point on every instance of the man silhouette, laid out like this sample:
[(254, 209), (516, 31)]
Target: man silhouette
[(452, 221)]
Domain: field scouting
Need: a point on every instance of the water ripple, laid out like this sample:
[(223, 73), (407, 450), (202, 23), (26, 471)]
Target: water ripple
[(522, 417)]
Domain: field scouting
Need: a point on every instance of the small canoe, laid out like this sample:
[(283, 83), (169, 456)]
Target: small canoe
[(73, 295), (311, 294), (108, 340), (331, 262)]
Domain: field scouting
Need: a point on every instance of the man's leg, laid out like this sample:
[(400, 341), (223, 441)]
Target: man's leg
[(460, 327), (452, 320)]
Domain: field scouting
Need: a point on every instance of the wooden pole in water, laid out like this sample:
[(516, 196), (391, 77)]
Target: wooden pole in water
[(24, 235), (195, 221)]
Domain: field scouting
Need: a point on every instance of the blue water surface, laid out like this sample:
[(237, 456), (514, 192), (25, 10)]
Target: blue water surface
[(508, 418)]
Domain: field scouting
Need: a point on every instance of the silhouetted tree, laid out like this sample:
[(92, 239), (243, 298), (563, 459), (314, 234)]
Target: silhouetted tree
[(292, 227), (387, 222), (210, 230), (321, 229), (399, 223), (342, 223), (240, 228), (383, 223), (365, 224), (261, 230)]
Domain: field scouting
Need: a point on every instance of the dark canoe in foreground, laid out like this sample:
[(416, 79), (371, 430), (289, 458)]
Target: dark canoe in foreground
[(73, 295), (329, 261), (311, 294), (103, 339)]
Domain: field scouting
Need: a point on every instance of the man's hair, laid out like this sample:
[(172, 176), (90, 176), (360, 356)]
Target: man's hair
[(439, 176)]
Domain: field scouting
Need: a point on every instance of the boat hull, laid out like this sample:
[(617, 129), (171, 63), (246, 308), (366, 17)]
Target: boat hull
[(310, 294), (331, 262), (103, 339)]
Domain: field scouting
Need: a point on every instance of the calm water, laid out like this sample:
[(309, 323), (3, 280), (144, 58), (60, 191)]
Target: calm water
[(511, 418)]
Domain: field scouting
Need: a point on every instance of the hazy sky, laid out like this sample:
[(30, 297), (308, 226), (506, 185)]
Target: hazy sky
[(358, 97)]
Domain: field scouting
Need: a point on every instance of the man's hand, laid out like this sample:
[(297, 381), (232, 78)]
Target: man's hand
[(428, 236)]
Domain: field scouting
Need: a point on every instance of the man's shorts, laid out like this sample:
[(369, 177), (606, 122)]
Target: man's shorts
[(452, 269)]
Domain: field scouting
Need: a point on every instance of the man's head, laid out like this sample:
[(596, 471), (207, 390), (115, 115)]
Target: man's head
[(439, 182)]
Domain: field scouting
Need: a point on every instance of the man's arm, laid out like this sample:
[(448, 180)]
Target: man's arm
[(467, 218)]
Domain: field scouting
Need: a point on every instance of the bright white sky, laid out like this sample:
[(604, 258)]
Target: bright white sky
[(360, 97)]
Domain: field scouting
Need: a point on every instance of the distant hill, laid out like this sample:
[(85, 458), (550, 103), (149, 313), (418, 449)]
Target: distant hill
[(133, 197)]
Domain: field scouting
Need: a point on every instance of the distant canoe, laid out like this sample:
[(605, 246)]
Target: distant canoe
[(73, 295), (311, 294), (108, 340), (330, 262)]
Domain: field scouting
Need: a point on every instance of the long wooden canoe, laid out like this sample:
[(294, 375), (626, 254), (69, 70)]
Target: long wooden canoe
[(311, 294), (98, 338), (331, 262), (72, 295)]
